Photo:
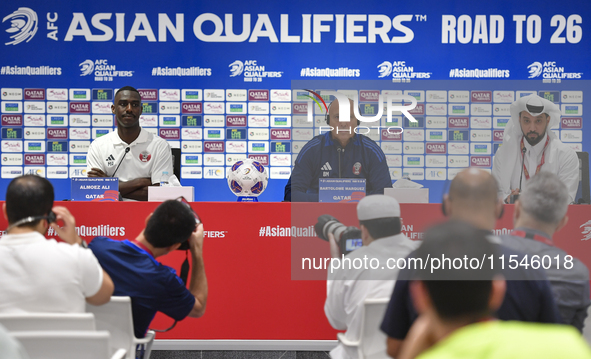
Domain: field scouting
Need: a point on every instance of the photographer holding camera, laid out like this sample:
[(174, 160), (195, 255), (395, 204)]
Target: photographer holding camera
[(152, 286), (347, 287)]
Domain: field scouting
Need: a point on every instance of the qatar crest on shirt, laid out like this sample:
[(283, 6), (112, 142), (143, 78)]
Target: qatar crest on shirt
[(357, 168), (145, 156)]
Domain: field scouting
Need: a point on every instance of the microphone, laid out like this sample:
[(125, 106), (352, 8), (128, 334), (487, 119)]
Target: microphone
[(514, 197), (523, 151), (126, 150)]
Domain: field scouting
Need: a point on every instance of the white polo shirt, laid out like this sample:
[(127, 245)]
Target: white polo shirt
[(41, 275), (148, 156)]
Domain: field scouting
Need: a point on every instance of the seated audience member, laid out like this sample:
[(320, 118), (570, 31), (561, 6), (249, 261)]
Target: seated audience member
[(41, 275), (539, 213), (473, 199), (456, 307), (152, 286), (347, 288)]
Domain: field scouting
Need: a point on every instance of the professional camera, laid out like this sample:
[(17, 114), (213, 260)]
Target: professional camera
[(348, 238)]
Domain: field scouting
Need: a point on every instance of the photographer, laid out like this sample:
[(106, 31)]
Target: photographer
[(154, 287), (347, 288)]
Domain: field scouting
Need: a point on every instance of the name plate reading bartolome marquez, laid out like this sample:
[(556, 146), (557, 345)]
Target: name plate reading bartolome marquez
[(341, 190), (96, 189)]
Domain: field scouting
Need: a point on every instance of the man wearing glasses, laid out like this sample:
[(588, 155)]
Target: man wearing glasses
[(152, 286)]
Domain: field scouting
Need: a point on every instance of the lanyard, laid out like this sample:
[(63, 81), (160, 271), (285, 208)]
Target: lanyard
[(525, 171), (537, 237), (142, 246)]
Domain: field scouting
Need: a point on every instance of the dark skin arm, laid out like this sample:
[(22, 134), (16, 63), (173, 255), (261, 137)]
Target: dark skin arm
[(135, 189)]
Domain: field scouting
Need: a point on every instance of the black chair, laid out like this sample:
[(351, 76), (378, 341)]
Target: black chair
[(583, 195), (176, 162)]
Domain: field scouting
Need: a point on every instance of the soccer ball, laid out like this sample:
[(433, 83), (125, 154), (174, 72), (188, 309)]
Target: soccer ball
[(247, 178)]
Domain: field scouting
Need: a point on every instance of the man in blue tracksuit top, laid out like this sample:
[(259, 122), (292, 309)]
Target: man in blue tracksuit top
[(340, 153)]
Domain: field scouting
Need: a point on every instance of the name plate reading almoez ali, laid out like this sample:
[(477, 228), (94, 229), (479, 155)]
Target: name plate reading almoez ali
[(97, 189), (343, 190)]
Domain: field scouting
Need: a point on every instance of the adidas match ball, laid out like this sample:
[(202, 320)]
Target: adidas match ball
[(247, 178)]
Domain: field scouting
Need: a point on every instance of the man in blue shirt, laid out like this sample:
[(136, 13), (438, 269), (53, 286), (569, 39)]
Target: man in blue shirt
[(152, 286), (340, 153)]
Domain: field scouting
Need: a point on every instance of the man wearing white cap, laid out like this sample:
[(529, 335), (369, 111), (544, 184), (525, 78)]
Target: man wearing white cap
[(529, 146), (348, 287)]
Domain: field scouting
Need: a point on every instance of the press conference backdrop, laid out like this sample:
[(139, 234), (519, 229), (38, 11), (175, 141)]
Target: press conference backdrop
[(221, 80)]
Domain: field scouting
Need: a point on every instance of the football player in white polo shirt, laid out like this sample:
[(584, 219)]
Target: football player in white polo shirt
[(135, 156)]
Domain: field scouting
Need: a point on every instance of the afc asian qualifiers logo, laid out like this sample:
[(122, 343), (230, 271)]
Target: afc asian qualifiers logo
[(385, 69), (86, 67), (23, 25), (145, 156), (236, 68), (535, 70)]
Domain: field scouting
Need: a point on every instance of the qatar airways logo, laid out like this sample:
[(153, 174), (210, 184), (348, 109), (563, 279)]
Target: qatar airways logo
[(258, 95), (481, 96), (79, 107), (369, 96), (480, 161), (300, 108), (34, 94), (57, 133), (236, 121), (458, 122), (148, 95), (191, 107), (498, 135), (170, 134), (34, 159), (12, 120), (436, 148), (262, 159), (217, 146), (280, 134), (571, 123)]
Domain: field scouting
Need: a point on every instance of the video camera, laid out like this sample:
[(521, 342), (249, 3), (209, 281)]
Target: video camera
[(348, 238)]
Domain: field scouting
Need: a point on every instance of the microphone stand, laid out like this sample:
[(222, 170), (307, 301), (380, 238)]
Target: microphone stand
[(514, 197)]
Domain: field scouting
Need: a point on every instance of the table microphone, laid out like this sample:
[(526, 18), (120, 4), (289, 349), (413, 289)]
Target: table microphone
[(514, 197), (126, 150)]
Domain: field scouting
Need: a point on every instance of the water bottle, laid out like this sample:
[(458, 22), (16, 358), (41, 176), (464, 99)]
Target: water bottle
[(164, 179)]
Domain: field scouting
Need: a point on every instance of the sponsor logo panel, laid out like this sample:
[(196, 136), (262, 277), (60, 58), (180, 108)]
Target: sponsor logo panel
[(191, 146), (12, 159)]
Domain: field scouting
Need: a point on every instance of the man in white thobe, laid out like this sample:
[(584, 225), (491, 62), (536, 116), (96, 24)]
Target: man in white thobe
[(529, 146)]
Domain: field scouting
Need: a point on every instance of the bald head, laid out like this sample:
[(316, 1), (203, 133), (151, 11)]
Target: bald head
[(342, 131), (28, 195), (475, 187), (473, 198)]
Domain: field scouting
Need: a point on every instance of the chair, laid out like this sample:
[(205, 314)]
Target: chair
[(116, 318), (176, 162), (583, 195), (21, 322), (372, 342), (67, 344)]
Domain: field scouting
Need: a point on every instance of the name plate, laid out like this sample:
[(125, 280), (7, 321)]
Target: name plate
[(95, 189), (342, 190)]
